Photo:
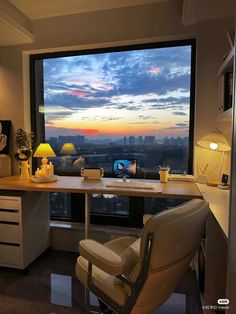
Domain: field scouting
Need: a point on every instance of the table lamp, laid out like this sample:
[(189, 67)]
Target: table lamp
[(44, 150), (217, 142)]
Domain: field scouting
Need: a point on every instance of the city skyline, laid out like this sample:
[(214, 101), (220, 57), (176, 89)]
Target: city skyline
[(83, 140), (118, 94)]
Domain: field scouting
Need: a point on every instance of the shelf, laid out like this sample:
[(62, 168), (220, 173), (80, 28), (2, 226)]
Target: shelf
[(225, 116), (227, 63)]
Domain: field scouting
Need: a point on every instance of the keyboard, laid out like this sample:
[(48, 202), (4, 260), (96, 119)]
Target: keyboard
[(131, 185)]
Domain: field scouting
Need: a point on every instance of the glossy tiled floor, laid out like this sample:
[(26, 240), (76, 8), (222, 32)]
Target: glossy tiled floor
[(50, 287)]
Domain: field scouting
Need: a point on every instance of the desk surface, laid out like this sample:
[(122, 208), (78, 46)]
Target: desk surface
[(175, 189)]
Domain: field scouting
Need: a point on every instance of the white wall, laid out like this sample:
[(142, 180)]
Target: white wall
[(231, 269), (160, 21)]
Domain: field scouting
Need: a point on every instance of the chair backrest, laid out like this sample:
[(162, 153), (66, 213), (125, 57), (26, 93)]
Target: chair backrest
[(177, 234)]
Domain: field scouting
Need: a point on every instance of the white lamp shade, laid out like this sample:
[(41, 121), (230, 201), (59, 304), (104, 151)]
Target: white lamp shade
[(214, 141), (44, 150), (68, 149)]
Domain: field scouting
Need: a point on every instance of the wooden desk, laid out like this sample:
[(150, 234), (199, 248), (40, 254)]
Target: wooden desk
[(184, 190)]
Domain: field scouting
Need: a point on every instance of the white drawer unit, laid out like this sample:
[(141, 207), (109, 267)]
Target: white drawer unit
[(10, 202), (10, 233), (10, 255), (24, 227), (10, 215)]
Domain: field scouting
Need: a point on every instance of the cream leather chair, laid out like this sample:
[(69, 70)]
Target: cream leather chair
[(137, 275)]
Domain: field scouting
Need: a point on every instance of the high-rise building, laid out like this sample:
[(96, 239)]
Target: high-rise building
[(150, 140), (131, 140), (140, 140)]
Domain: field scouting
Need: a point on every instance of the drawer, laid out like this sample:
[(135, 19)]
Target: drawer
[(10, 202), (10, 255), (9, 215), (9, 233)]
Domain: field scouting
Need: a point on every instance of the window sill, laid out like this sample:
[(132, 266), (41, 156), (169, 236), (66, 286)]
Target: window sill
[(122, 231)]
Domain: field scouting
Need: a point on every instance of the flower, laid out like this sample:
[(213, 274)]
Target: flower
[(24, 143)]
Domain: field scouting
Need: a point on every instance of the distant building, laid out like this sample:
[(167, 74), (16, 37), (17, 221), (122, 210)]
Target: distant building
[(131, 140), (175, 140), (149, 140), (75, 139), (140, 140)]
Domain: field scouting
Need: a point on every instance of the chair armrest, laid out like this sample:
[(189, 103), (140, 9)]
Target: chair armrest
[(101, 256), (146, 217)]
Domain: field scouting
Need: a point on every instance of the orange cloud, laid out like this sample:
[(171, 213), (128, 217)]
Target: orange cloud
[(90, 132), (155, 70), (77, 93), (102, 86)]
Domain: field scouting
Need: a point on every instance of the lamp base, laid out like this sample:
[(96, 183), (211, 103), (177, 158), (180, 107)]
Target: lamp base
[(44, 179), (212, 183)]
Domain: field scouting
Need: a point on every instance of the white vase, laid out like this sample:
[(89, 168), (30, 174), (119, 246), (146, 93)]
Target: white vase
[(24, 170)]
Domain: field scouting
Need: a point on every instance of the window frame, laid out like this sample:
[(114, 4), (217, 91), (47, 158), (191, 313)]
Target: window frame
[(136, 207)]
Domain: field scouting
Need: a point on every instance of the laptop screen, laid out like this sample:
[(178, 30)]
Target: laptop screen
[(125, 167)]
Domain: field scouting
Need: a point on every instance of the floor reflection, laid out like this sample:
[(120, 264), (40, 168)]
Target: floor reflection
[(176, 304), (61, 290), (50, 287)]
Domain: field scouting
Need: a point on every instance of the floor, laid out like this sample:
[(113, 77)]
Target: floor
[(50, 287)]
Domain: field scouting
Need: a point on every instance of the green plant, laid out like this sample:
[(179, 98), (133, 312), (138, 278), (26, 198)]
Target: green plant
[(23, 142)]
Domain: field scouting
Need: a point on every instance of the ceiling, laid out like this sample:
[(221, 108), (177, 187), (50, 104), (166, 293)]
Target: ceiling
[(49, 8), (16, 15), (195, 11)]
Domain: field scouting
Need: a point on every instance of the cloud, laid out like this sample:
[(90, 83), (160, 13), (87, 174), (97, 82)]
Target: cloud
[(143, 117), (107, 75), (182, 125), (101, 118), (137, 81), (154, 70), (76, 93), (139, 122), (49, 122), (179, 113), (173, 128)]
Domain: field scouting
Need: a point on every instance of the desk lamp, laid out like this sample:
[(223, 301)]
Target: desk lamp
[(217, 142), (44, 150)]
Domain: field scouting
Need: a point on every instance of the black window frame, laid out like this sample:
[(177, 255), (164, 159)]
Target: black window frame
[(136, 207)]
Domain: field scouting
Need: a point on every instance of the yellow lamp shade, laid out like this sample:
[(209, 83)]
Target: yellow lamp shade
[(215, 141), (44, 150), (68, 149)]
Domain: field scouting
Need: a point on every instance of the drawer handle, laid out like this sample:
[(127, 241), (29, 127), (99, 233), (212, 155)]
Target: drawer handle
[(9, 211), (9, 199), (9, 244), (9, 223)]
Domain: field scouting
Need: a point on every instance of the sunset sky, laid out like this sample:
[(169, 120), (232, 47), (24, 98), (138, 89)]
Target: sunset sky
[(112, 95)]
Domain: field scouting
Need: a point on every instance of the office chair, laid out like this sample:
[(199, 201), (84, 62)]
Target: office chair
[(137, 275)]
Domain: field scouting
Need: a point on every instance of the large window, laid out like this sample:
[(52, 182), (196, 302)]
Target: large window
[(133, 102)]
